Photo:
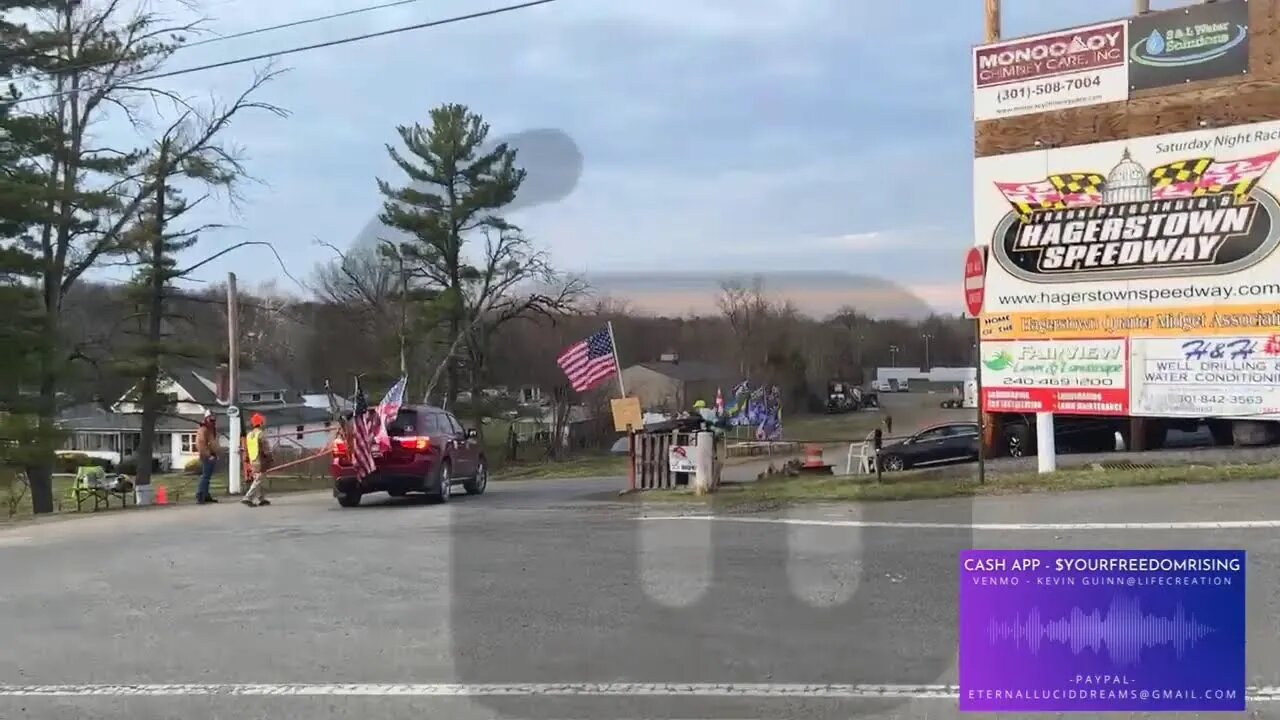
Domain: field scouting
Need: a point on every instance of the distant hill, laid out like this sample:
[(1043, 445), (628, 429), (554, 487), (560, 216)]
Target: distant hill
[(813, 293)]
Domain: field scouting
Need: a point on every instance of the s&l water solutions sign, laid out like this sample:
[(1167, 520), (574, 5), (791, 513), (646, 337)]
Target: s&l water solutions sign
[(1200, 42)]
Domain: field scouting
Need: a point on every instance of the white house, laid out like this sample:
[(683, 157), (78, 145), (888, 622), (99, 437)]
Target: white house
[(115, 432)]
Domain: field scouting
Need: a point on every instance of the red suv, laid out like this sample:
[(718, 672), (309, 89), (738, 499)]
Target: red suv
[(430, 453)]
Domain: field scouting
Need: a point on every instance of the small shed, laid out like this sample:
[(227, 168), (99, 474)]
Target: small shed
[(671, 384)]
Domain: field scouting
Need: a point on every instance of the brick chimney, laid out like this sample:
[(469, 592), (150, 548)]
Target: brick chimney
[(221, 380)]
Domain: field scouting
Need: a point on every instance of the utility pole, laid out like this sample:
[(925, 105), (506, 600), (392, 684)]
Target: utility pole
[(927, 337), (233, 386), (404, 318), (1141, 6), (993, 20)]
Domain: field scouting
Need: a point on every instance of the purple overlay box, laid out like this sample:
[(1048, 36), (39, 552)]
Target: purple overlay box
[(1102, 630)]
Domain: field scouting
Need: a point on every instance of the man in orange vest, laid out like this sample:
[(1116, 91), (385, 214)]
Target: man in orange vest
[(258, 452)]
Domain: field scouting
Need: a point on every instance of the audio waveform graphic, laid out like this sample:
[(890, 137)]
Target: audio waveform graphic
[(1125, 631)]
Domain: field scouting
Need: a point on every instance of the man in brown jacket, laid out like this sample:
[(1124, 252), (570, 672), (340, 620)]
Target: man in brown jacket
[(207, 449)]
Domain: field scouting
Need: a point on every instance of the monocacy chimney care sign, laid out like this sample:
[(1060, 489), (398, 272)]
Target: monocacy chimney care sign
[(1043, 73)]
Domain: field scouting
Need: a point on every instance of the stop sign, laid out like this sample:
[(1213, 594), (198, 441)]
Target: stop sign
[(975, 280)]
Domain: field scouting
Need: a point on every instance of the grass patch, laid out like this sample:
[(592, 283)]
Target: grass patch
[(594, 465), (922, 485), (181, 489), (842, 427)]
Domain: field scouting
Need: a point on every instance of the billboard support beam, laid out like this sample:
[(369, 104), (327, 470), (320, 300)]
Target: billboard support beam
[(1046, 448), (993, 20)]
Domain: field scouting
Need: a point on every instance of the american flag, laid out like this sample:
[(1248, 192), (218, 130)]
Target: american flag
[(589, 362), (388, 409), (362, 437)]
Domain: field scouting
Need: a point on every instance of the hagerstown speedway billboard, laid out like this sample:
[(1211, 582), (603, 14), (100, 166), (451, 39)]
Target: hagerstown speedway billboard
[(1136, 277)]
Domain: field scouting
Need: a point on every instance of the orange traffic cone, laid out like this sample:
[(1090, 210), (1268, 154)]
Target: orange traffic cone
[(162, 495)]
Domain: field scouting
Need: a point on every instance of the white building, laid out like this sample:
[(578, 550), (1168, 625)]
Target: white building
[(114, 433)]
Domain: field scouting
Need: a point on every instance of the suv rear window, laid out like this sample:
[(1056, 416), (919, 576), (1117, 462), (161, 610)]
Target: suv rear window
[(405, 424), (438, 424)]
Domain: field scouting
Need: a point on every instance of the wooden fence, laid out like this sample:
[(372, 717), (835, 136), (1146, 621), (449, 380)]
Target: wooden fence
[(652, 460)]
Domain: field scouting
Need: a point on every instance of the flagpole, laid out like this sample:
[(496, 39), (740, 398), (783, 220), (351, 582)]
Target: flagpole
[(613, 342)]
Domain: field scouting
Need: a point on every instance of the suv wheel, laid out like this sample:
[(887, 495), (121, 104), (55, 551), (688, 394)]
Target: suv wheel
[(477, 484), (444, 483), (349, 499)]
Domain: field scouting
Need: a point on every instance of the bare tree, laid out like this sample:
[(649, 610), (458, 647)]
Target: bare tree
[(190, 149), (515, 282), (361, 277), (377, 282), (746, 308)]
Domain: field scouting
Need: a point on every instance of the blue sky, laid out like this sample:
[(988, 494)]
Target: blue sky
[(739, 135)]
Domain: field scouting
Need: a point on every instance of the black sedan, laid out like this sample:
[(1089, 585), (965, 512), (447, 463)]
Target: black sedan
[(936, 445)]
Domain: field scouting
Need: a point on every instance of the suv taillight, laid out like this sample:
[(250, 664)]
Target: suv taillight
[(339, 447), (421, 443)]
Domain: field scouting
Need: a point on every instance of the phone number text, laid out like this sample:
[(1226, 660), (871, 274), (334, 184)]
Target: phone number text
[(1048, 87)]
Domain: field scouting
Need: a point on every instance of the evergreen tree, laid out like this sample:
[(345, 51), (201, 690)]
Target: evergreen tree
[(22, 209), (92, 56), (456, 188)]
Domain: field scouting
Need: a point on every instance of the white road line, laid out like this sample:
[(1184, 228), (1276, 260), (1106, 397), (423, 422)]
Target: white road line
[(1206, 525), (665, 690)]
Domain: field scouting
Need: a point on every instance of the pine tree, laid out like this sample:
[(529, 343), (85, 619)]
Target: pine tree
[(456, 188), (157, 248), (22, 209), (91, 56)]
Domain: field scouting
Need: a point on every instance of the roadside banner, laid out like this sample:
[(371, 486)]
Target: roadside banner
[(1054, 71), (1207, 377), (1171, 235), (1078, 377), (1168, 243), (1197, 42)]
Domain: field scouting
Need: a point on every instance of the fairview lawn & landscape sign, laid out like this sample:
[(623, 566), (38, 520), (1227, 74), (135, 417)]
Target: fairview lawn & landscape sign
[(1072, 377)]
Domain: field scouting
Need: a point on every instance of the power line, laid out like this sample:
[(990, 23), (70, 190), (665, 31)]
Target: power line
[(232, 36), (292, 51)]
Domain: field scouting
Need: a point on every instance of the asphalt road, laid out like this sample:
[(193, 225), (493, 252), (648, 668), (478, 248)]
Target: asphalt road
[(540, 600)]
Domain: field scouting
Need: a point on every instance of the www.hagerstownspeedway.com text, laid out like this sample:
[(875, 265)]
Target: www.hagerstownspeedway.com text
[(1063, 298)]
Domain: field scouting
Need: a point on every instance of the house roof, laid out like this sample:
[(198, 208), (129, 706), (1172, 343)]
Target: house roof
[(91, 418), (201, 382), (94, 418), (687, 370)]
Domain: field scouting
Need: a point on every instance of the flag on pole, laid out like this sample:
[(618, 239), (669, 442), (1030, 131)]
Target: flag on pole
[(587, 363), (392, 401), (388, 409), (362, 437)]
